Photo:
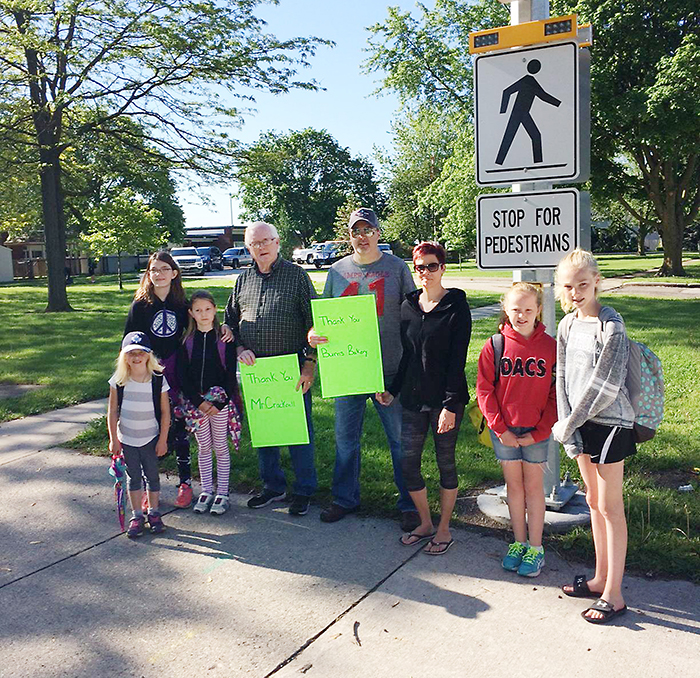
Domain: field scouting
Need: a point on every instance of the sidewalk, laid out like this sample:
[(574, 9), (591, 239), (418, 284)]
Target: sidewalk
[(260, 593)]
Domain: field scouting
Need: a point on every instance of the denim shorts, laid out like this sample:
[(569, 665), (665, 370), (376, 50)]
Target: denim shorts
[(533, 454)]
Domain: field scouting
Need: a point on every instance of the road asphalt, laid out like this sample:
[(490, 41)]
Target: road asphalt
[(262, 593)]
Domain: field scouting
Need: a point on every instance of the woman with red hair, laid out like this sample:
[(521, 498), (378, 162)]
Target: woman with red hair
[(435, 331)]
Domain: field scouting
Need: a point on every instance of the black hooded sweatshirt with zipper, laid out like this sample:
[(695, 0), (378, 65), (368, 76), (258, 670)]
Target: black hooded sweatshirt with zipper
[(431, 372), (204, 369)]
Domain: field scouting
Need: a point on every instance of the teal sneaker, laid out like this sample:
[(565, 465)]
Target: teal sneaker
[(514, 557), (532, 563)]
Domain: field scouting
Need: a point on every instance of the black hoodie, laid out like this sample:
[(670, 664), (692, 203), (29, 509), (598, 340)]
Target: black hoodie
[(431, 372), (163, 322)]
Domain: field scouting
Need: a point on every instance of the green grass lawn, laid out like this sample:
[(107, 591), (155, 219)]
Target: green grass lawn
[(611, 265), (72, 355)]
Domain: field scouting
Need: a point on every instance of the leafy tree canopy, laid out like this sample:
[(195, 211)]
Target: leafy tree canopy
[(424, 139), (171, 65), (300, 179)]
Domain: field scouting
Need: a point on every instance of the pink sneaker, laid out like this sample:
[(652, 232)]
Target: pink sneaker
[(184, 496)]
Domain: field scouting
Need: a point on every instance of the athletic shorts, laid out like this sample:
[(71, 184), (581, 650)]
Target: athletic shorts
[(607, 444), (533, 454)]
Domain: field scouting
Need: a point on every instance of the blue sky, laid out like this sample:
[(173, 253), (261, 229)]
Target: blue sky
[(347, 108)]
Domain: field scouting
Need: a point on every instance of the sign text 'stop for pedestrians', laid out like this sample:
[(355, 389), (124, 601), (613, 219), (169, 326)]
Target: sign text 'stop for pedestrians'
[(527, 115), (526, 230)]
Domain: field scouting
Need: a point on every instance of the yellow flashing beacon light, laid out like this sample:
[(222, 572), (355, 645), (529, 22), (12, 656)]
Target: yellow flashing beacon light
[(530, 33)]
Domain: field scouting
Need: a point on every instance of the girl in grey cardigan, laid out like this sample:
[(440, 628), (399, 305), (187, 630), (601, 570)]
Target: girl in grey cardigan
[(595, 423)]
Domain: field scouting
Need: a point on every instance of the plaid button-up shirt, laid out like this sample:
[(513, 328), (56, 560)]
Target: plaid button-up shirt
[(270, 313)]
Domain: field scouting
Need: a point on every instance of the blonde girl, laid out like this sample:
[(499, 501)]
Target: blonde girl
[(517, 397), (207, 373), (595, 423), (138, 421)]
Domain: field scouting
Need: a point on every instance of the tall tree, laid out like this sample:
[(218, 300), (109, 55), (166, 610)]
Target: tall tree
[(453, 195), (299, 180), (425, 60), (424, 138), (123, 224), (163, 62)]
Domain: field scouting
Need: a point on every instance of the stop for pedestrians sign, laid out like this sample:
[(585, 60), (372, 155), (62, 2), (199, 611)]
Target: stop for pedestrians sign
[(526, 230), (528, 110)]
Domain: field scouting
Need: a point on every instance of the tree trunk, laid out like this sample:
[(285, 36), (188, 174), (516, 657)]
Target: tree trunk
[(119, 269), (672, 236), (641, 236), (54, 229)]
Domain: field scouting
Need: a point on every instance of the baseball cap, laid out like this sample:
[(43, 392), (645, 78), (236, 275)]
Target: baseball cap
[(363, 214), (136, 341)]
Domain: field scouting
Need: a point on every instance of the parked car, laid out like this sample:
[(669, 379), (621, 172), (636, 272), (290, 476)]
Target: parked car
[(305, 255), (211, 256), (188, 259), (237, 256), (330, 252), (385, 247)]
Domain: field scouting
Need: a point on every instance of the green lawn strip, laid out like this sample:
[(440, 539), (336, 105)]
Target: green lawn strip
[(611, 266), (664, 524), (72, 354)]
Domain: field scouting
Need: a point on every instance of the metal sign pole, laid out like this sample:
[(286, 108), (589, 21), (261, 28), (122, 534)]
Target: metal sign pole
[(556, 495)]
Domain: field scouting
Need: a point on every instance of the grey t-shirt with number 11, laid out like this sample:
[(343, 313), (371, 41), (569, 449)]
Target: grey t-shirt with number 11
[(389, 280)]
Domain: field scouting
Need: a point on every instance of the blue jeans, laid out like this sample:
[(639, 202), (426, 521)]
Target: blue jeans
[(349, 417), (302, 461)]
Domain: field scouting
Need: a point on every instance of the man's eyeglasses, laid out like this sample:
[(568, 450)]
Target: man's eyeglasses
[(422, 268), (367, 230), (259, 244), (158, 271)]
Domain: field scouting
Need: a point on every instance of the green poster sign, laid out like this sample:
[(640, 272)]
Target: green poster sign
[(275, 409), (351, 362)]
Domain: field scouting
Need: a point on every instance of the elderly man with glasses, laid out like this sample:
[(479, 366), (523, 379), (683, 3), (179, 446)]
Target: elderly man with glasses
[(368, 270), (269, 312)]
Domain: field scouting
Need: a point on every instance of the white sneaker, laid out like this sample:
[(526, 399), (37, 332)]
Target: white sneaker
[(204, 502), (220, 505)]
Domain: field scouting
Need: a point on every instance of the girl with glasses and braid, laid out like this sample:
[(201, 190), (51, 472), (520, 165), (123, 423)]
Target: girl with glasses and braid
[(159, 310)]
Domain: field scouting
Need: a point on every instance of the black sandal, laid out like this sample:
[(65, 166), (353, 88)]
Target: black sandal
[(579, 589), (606, 609)]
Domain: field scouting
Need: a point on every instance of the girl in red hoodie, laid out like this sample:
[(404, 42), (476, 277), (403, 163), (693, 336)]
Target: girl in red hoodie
[(519, 403)]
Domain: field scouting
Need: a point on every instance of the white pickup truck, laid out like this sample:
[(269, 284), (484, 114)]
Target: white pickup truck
[(305, 255)]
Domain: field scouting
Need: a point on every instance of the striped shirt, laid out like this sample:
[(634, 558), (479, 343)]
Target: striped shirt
[(137, 423), (270, 313)]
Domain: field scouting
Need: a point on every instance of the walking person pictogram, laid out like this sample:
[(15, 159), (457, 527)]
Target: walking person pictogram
[(525, 89)]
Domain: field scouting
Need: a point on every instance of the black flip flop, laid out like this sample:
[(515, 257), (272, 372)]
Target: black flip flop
[(419, 538), (446, 544), (580, 589), (606, 609)]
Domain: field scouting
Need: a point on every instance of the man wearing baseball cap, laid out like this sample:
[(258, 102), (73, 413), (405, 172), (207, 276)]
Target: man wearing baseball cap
[(368, 270)]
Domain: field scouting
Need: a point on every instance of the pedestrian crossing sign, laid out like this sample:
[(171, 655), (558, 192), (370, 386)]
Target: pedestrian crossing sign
[(528, 115)]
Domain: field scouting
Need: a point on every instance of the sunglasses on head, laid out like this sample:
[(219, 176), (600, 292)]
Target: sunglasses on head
[(422, 268)]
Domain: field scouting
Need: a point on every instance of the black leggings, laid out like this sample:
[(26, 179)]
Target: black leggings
[(414, 428), (179, 442)]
